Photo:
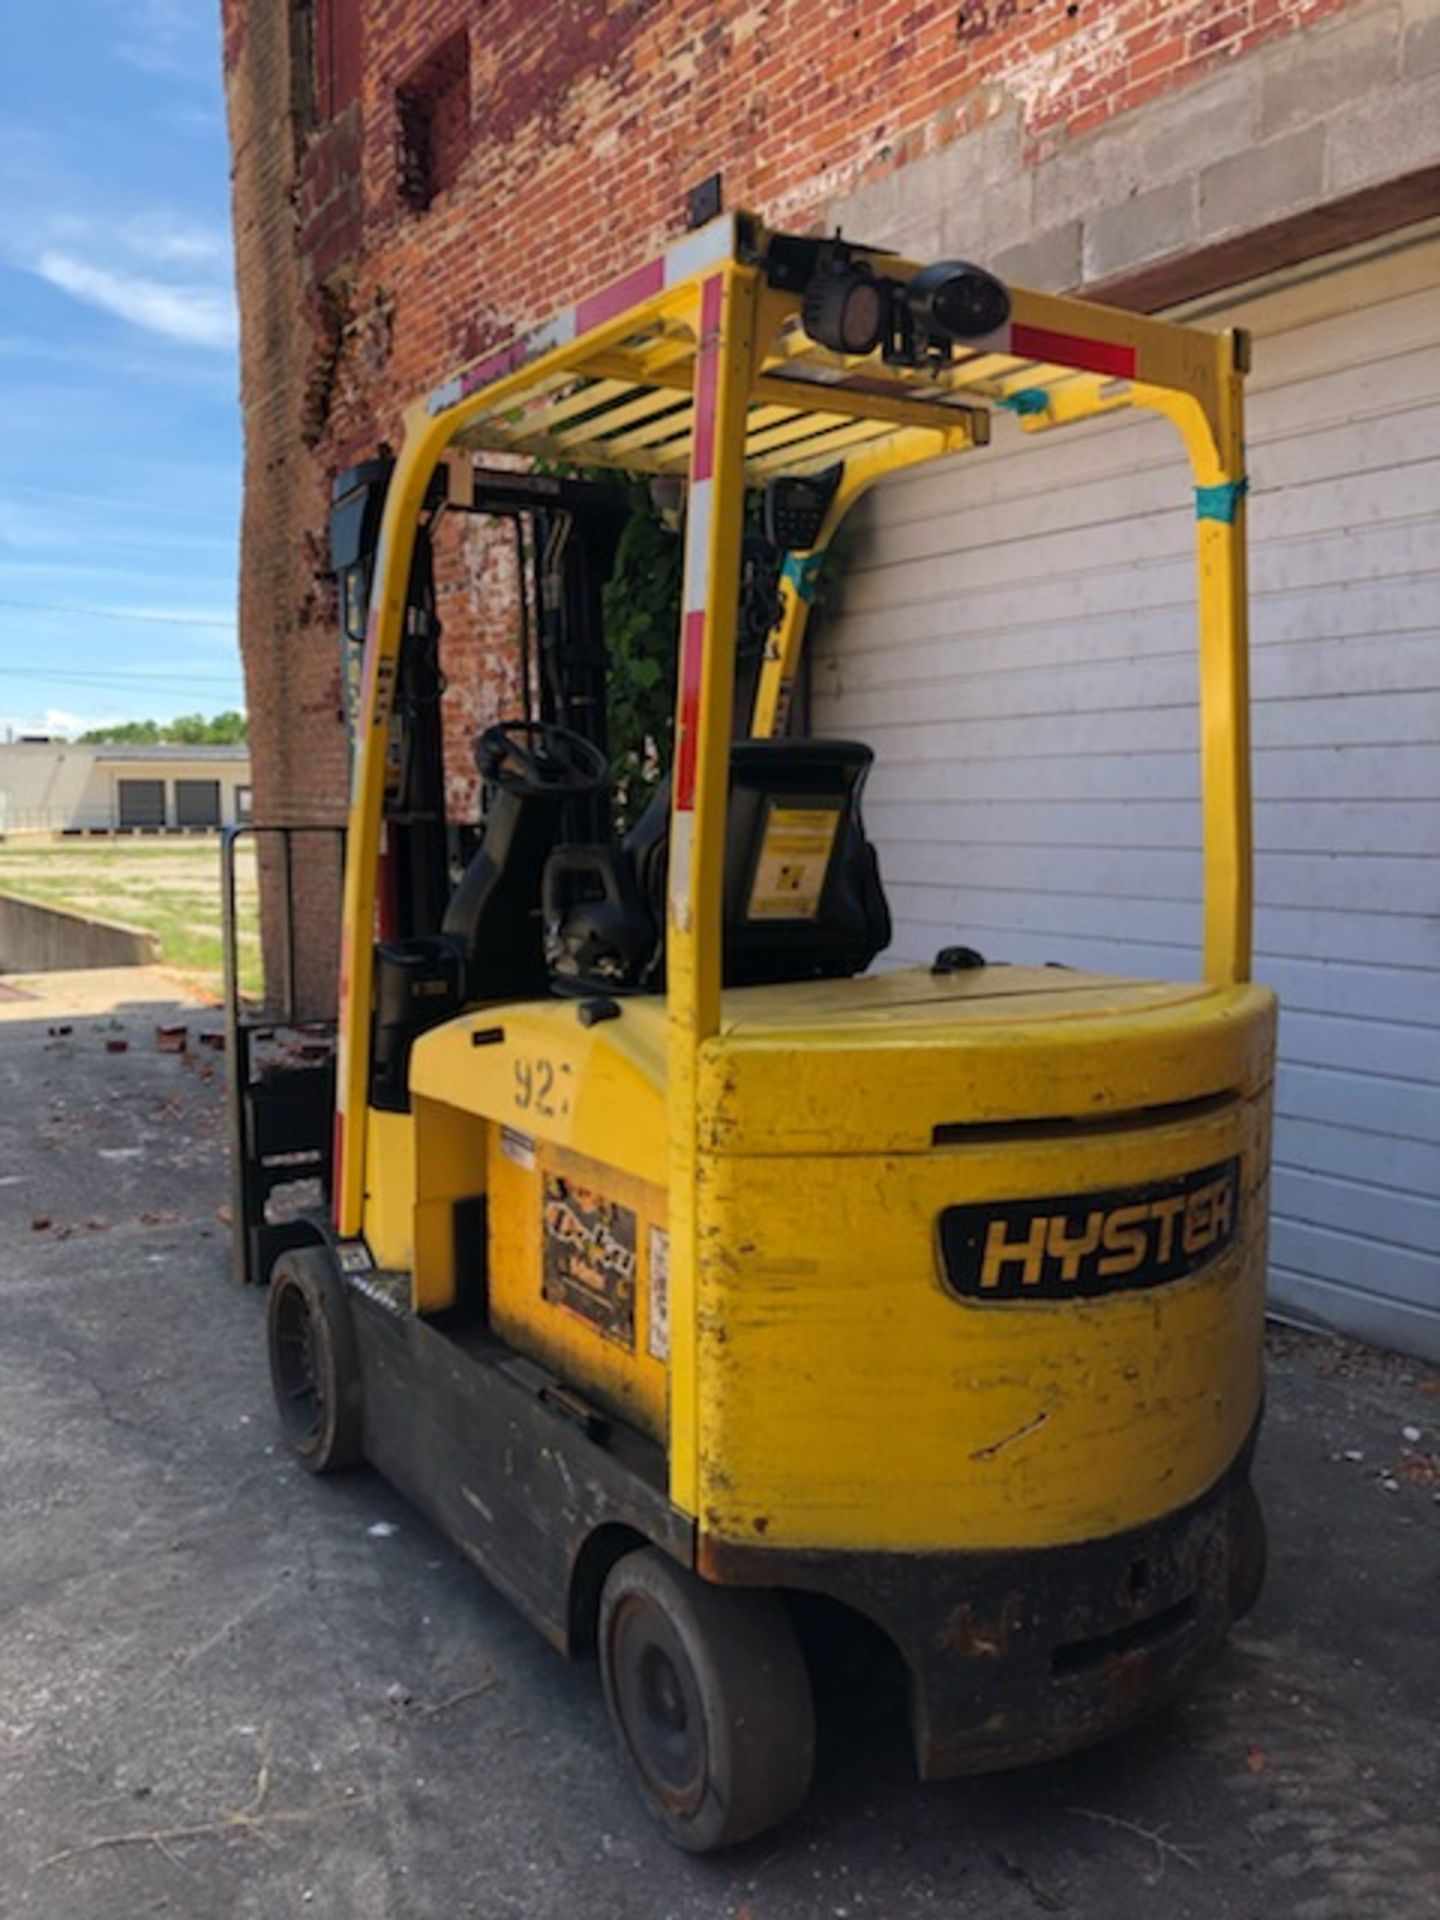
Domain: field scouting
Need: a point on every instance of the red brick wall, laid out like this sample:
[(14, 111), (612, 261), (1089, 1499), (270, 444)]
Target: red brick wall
[(587, 123)]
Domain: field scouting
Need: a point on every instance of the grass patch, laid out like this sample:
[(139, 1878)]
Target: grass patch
[(167, 888)]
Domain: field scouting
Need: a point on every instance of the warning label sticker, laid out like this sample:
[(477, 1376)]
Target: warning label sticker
[(794, 860), (519, 1147), (589, 1257)]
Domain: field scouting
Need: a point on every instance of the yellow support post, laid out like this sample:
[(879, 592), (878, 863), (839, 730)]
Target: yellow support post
[(776, 685), (1215, 439), (714, 524), (773, 691), (403, 505), (1225, 743)]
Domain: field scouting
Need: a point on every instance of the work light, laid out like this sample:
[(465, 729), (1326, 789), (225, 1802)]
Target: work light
[(846, 308), (957, 300)]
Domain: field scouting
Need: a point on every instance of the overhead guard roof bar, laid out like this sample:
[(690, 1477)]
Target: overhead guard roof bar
[(591, 393), (611, 381)]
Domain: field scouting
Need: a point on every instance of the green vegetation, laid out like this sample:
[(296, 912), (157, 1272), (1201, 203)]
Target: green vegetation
[(642, 618), (168, 888), (642, 625), (187, 730)]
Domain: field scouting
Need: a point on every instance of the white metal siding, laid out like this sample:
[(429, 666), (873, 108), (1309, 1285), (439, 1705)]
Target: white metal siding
[(1015, 636)]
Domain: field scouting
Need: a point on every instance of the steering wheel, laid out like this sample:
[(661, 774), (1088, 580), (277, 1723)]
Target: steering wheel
[(538, 761)]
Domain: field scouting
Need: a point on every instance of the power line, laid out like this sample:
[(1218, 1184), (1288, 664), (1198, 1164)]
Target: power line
[(147, 617), (122, 679), (152, 510)]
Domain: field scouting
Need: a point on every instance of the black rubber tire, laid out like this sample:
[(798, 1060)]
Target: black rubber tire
[(710, 1700), (314, 1369)]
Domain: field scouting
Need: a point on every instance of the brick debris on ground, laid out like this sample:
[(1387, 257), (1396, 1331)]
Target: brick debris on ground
[(228, 1688)]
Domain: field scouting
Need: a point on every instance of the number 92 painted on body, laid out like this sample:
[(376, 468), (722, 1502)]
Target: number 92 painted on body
[(542, 1087)]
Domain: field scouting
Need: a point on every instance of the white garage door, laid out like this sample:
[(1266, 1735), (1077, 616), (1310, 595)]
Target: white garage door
[(1015, 636)]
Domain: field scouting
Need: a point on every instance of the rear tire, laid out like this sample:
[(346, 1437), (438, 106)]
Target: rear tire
[(710, 1699), (314, 1369)]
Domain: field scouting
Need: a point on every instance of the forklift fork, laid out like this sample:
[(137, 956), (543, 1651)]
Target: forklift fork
[(279, 1070)]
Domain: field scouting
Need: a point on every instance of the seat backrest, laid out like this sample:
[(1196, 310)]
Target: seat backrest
[(802, 892), (494, 913)]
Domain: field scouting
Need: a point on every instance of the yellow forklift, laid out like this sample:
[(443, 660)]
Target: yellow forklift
[(678, 1262)]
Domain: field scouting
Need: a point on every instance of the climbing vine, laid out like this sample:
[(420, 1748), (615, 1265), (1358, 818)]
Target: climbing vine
[(642, 627), (641, 606)]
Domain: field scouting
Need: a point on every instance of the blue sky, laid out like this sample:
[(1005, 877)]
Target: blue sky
[(119, 426)]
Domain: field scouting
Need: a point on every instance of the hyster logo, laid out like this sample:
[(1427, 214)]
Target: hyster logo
[(1080, 1245)]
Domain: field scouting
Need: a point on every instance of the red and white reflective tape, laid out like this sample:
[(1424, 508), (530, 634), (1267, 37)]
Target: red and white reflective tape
[(630, 290), (558, 331), (699, 514), (707, 247), (342, 1045), (1054, 349), (1072, 350), (342, 1090), (699, 517)]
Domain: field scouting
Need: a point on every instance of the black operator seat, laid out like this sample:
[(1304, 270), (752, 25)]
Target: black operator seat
[(802, 892), (537, 777), (494, 914), (488, 947)]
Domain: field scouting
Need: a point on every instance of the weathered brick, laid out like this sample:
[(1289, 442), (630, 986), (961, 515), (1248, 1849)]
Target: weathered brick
[(999, 131)]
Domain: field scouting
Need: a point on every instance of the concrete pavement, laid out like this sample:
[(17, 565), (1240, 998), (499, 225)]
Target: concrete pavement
[(227, 1689)]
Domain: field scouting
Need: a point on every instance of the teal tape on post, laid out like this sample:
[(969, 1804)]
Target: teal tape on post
[(1220, 503), (1027, 400), (802, 570)]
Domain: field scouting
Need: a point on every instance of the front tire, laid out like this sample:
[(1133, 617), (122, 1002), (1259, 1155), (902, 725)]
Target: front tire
[(314, 1369), (710, 1699)]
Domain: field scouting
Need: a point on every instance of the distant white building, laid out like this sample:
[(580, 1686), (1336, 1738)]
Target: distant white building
[(56, 786)]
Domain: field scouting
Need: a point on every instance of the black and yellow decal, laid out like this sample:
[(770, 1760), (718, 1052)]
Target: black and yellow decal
[(589, 1260), (794, 858), (1076, 1246)]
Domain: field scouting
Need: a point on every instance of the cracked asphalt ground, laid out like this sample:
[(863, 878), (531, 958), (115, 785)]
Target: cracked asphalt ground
[(229, 1689)]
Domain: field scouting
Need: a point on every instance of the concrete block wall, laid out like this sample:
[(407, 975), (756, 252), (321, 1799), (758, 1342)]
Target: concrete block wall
[(1308, 140), (1147, 147)]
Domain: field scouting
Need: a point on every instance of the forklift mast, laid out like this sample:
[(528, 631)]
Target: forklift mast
[(566, 532)]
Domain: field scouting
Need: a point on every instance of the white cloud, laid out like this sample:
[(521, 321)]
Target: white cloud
[(166, 269), (198, 315), (60, 720), (157, 236), (221, 617), (56, 722), (164, 238)]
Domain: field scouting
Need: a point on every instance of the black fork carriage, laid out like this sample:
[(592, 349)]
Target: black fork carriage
[(279, 1052)]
